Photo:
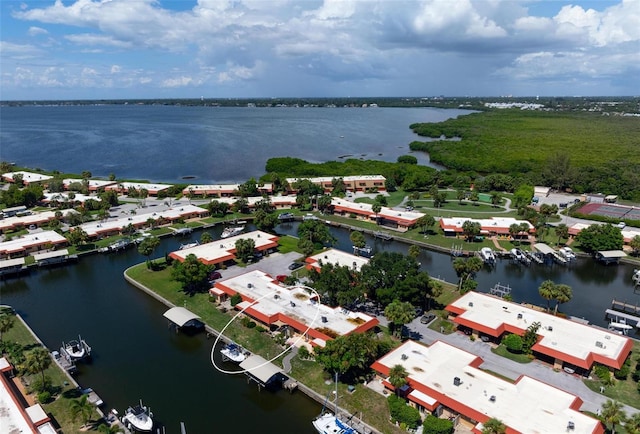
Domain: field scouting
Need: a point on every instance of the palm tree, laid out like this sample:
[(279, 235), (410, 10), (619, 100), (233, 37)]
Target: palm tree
[(547, 290), (563, 295), (612, 413), (494, 426), (399, 313), (632, 424), (414, 251), (37, 361), (562, 231), (376, 208), (398, 376), (83, 408), (6, 323)]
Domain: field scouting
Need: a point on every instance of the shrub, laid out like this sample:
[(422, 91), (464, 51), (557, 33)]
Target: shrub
[(44, 397), (435, 425), (260, 329), (41, 386), (602, 372), (636, 375), (403, 413), (513, 343), (235, 299), (303, 353), (251, 324)]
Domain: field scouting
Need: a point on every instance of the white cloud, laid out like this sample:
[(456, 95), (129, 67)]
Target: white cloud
[(190, 43), (35, 31)]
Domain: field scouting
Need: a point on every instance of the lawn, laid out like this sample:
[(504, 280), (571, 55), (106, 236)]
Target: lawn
[(625, 391), (501, 350), (60, 408)]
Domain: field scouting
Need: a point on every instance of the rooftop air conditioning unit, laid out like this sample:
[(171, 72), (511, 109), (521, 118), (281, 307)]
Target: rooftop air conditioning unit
[(519, 316), (404, 357), (471, 304), (457, 381), (324, 319), (570, 425), (492, 398), (249, 285), (599, 344), (292, 304)]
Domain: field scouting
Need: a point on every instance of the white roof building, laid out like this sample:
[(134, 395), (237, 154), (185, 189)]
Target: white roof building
[(27, 177), (337, 257), (442, 374)]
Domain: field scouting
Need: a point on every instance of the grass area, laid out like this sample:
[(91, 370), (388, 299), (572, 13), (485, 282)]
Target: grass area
[(200, 304), (60, 407), (625, 391), (501, 350)]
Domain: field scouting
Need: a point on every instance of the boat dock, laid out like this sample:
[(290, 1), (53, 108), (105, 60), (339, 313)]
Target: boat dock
[(500, 290), (92, 397), (382, 235), (64, 361), (622, 306)]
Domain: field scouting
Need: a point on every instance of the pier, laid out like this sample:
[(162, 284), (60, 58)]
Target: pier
[(622, 306)]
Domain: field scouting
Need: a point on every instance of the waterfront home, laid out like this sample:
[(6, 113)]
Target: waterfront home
[(563, 343), (391, 218), (336, 257), (448, 382), (296, 307), (222, 190), (16, 416), (278, 202), (31, 220), (220, 251), (31, 243), (124, 187), (352, 183), (488, 227), (92, 184), (27, 177)]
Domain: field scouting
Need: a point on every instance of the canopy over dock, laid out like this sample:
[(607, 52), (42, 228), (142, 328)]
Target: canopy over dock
[(610, 256), (182, 317), (544, 249), (262, 371)]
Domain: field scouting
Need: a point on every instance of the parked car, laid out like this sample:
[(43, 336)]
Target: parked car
[(295, 265), (281, 278), (214, 275), (426, 319)]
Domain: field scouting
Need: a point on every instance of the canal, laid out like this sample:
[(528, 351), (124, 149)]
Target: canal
[(136, 355)]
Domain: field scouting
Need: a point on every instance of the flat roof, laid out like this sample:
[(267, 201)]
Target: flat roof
[(27, 177), (611, 253), (251, 201), (543, 248), (8, 263), (34, 218), (64, 196), (432, 369), (492, 223), (409, 217), (180, 316), (350, 178), (50, 255), (338, 257), (95, 228), (12, 417), (31, 239), (90, 182), (260, 368), (146, 185), (571, 341), (224, 249), (293, 304)]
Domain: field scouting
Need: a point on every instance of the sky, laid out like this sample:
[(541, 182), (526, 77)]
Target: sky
[(114, 49)]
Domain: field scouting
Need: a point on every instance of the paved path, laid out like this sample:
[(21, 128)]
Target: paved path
[(286, 362)]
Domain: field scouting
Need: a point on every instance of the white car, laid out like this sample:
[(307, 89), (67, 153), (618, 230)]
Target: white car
[(621, 225)]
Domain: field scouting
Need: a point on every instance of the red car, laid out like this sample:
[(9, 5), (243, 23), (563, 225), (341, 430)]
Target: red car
[(281, 278)]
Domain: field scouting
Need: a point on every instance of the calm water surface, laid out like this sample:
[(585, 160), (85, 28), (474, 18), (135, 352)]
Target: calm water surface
[(167, 143)]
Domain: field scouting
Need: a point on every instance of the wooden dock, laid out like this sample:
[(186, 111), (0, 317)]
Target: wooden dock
[(622, 306), (64, 361)]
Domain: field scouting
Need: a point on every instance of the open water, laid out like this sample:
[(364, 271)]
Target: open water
[(213, 145)]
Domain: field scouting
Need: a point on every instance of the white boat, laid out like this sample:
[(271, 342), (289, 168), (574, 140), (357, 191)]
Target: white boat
[(234, 353), (76, 349), (231, 231), (329, 423), (138, 418), (620, 327), (520, 256), (568, 254), (188, 245), (487, 256), (636, 277)]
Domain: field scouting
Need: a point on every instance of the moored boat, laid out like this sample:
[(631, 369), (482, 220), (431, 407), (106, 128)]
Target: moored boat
[(138, 418), (234, 353), (487, 256), (76, 349), (636, 277), (329, 423), (231, 231)]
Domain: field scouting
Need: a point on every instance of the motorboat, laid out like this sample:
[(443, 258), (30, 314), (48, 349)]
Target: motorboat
[(567, 252), (286, 216), (231, 231), (329, 423), (188, 245), (76, 349), (620, 327), (234, 353), (519, 256), (636, 277), (138, 418), (487, 256)]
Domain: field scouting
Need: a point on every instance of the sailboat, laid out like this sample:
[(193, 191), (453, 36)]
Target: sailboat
[(328, 423)]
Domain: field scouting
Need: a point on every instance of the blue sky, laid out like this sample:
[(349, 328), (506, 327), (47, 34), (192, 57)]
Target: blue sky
[(88, 49)]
